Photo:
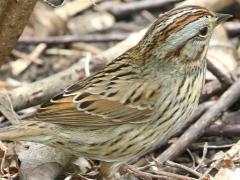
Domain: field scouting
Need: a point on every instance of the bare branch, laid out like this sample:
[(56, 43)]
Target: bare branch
[(13, 18)]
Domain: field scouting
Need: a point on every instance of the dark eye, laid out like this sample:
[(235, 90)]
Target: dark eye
[(203, 32)]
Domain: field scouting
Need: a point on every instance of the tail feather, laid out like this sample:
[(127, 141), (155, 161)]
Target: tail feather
[(22, 131)]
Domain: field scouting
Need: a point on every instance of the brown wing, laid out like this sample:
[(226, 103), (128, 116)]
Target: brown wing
[(108, 98)]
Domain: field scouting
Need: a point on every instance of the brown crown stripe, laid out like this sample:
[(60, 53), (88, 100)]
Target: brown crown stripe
[(173, 27), (189, 8), (185, 18), (180, 23), (165, 17)]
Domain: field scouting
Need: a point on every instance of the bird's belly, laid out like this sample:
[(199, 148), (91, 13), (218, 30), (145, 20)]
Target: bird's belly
[(124, 142)]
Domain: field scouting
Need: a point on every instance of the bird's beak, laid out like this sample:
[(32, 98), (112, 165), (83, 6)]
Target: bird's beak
[(222, 17)]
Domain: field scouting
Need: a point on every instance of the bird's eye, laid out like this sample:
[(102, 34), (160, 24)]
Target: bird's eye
[(203, 32)]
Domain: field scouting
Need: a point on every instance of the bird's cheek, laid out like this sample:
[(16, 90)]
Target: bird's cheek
[(191, 52)]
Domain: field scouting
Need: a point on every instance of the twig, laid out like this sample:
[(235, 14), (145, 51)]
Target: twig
[(174, 176), (201, 109), (86, 60), (160, 174), (226, 81), (25, 57), (197, 145), (180, 166), (226, 130), (4, 149), (230, 154), (73, 38), (6, 108), (211, 89), (205, 150), (122, 10), (148, 16), (27, 60), (196, 130), (63, 52), (192, 157)]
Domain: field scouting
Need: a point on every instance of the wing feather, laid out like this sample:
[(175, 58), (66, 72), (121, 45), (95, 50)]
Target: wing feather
[(108, 98)]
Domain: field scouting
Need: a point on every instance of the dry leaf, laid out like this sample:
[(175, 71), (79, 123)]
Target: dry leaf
[(228, 174)]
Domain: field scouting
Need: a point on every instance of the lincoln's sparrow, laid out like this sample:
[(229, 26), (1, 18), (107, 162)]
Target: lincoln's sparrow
[(138, 101)]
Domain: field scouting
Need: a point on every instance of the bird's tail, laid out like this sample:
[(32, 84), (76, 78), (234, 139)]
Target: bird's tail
[(26, 130)]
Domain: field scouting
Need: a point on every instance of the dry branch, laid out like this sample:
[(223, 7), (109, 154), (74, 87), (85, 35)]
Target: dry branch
[(74, 38), (40, 91), (225, 80), (225, 130), (120, 10), (13, 18), (212, 88)]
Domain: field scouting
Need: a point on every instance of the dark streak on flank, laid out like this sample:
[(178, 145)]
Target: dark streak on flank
[(115, 78), (128, 73), (32, 124), (111, 152), (169, 118), (126, 148), (150, 135), (115, 141), (59, 142), (132, 93), (181, 85), (164, 110), (115, 69)]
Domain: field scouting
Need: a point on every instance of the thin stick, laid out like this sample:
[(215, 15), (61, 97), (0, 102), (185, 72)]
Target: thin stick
[(192, 157), (219, 74), (226, 130), (230, 154), (160, 174), (124, 9), (180, 166), (6, 108), (205, 150), (73, 38)]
